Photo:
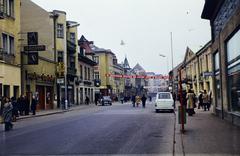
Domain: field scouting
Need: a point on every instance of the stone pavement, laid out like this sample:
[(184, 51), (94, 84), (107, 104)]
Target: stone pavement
[(207, 134)]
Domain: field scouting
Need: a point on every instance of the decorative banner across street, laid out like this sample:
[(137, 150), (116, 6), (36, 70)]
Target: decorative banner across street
[(137, 76)]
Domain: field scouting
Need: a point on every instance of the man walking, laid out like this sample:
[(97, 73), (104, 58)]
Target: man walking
[(205, 100), (144, 101)]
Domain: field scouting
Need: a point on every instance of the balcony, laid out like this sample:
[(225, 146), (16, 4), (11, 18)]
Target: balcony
[(8, 58), (71, 47)]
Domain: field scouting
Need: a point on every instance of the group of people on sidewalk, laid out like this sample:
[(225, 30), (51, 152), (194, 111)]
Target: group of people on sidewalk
[(190, 99), (136, 100), (12, 108)]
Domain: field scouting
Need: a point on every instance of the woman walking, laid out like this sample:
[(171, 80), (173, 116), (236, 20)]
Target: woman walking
[(190, 102), (7, 113)]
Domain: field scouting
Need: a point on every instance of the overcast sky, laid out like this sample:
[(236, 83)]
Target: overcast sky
[(144, 25)]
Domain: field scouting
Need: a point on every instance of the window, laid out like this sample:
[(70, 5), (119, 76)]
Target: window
[(60, 56), (5, 43), (89, 74), (82, 51), (85, 73), (72, 37), (8, 6), (8, 44), (233, 66), (11, 45), (81, 72), (60, 31), (164, 96), (6, 91), (217, 79), (96, 59), (233, 47)]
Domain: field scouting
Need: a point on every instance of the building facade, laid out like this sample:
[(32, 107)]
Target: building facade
[(224, 17), (10, 55), (86, 64), (38, 79)]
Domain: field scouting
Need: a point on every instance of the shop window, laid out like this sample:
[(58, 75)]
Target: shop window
[(217, 80), (233, 66)]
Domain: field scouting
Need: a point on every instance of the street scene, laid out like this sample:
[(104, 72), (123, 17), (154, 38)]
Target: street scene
[(104, 77)]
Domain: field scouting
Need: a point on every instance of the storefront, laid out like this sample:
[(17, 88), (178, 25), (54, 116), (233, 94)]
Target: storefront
[(42, 86)]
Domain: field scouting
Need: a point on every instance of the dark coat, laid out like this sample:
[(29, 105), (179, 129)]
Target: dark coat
[(34, 104)]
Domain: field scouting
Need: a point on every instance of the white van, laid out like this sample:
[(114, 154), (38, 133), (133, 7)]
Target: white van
[(164, 101)]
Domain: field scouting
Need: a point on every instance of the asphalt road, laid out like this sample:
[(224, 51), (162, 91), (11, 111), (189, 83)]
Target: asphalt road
[(102, 130)]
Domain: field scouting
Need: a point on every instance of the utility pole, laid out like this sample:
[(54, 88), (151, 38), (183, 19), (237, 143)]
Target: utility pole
[(172, 61)]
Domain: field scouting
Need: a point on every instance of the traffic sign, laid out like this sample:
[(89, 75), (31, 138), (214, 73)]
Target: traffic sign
[(33, 58)]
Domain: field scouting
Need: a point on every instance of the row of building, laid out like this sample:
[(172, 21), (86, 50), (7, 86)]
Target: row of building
[(41, 55), (216, 67)]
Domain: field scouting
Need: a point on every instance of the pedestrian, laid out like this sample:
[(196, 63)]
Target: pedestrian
[(190, 102), (205, 100), (209, 100), (200, 100), (1, 108), (20, 103), (87, 100), (122, 99), (96, 100), (144, 101), (26, 105), (138, 100), (174, 100), (7, 113), (15, 109), (133, 99), (34, 105)]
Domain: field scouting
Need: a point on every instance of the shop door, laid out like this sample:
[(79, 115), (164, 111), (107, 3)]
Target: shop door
[(41, 97)]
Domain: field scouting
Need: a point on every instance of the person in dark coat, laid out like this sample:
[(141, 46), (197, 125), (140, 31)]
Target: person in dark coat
[(34, 105), (27, 105), (7, 113), (144, 99), (15, 108), (20, 103), (87, 100), (133, 99), (200, 100)]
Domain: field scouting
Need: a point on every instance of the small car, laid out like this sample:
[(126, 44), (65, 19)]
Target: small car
[(106, 100), (164, 101)]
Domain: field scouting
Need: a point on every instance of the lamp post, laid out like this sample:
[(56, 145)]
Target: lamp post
[(164, 56)]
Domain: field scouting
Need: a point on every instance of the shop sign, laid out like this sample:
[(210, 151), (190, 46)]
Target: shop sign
[(206, 74), (38, 77), (35, 48), (60, 81)]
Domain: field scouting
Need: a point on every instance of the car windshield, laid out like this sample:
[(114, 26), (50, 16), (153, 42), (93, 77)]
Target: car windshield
[(164, 96)]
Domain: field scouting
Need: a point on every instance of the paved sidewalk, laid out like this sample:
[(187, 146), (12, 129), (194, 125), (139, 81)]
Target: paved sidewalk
[(207, 134), (56, 111)]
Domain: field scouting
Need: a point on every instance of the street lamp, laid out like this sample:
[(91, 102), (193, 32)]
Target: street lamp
[(164, 56)]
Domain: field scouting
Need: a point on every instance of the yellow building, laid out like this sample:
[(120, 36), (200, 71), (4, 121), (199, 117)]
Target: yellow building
[(104, 58), (37, 28), (10, 71), (197, 70)]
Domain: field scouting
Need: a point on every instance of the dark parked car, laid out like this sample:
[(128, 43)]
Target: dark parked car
[(106, 100)]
